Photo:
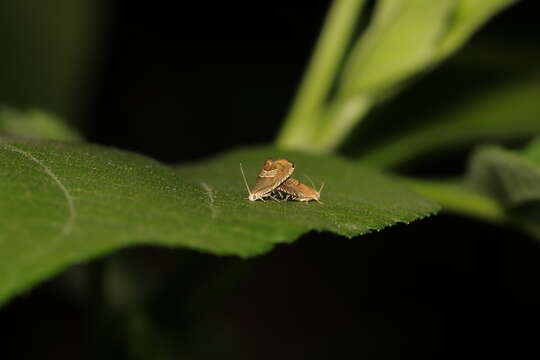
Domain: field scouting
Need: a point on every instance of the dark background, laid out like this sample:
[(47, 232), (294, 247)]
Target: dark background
[(181, 82), (205, 80)]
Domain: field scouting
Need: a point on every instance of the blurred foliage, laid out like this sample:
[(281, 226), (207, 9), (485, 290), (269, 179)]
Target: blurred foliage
[(506, 110), (36, 124), (532, 151), (499, 186), (507, 176), (403, 39), (511, 178), (49, 50)]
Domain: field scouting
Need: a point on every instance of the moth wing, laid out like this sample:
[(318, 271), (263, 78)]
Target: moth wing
[(268, 173), (268, 180), (290, 186), (264, 185), (285, 169)]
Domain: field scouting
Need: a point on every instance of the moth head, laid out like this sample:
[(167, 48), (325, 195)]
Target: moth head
[(319, 193), (290, 162), (286, 162), (253, 197)]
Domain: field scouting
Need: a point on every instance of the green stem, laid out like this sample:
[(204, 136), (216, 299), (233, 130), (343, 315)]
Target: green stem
[(304, 118), (339, 120), (455, 198)]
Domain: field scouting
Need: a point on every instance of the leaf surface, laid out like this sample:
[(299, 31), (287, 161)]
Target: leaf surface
[(66, 203)]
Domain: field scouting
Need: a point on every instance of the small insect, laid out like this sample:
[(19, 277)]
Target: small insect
[(295, 190), (273, 173)]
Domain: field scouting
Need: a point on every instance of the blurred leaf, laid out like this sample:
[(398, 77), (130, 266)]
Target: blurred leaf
[(508, 111), (511, 179), (404, 39), (302, 121), (66, 203), (48, 49), (500, 186), (467, 17), (532, 151), (35, 124), (504, 175), (456, 198)]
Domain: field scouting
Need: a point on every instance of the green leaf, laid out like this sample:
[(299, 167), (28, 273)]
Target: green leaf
[(507, 111), (458, 199), (402, 37), (532, 151), (500, 186), (504, 175), (400, 40), (302, 121), (35, 124), (66, 203), (49, 52), (468, 16)]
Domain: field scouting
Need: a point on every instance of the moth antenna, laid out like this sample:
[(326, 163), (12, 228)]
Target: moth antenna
[(322, 186), (245, 181), (310, 181)]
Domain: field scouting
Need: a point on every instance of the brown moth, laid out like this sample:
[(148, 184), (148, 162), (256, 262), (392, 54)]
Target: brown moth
[(273, 173), (295, 190)]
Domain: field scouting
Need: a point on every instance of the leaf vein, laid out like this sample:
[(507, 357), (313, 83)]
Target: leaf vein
[(210, 191), (68, 225)]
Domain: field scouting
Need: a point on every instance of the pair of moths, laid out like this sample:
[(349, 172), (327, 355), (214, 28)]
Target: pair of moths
[(274, 179)]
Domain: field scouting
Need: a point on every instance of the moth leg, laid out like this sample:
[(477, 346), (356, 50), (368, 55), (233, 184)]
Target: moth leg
[(278, 196), (282, 199)]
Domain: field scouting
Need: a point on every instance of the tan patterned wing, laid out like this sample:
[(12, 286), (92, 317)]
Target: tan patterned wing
[(299, 191), (271, 176)]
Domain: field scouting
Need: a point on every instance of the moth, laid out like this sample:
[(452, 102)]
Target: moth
[(273, 173), (295, 190)]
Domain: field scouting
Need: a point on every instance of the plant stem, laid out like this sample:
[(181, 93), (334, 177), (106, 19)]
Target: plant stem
[(304, 117), (339, 120), (457, 199)]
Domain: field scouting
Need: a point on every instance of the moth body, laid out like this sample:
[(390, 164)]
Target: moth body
[(273, 173), (295, 190)]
